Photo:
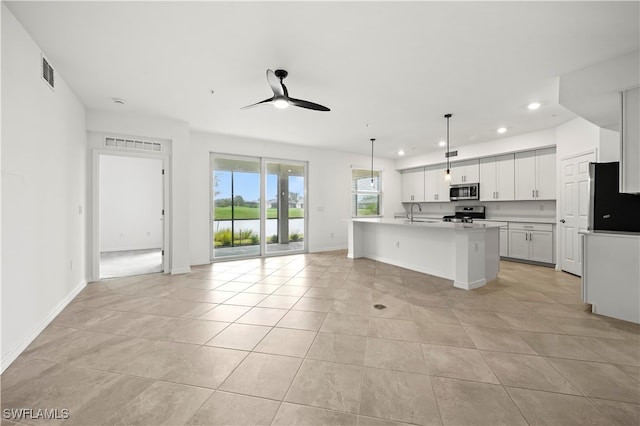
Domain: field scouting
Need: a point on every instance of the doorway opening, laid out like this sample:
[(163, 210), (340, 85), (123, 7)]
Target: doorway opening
[(131, 216), (258, 207)]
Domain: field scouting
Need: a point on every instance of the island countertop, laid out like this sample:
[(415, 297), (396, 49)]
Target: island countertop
[(466, 253), (431, 223)]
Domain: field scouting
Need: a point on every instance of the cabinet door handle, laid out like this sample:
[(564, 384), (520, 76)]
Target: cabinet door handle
[(533, 193), (497, 195), (526, 237), (537, 196)]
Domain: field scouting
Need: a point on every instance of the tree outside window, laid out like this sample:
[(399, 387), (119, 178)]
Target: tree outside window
[(365, 193)]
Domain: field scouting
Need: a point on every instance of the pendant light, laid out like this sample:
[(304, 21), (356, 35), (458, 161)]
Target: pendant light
[(447, 176), (372, 185)]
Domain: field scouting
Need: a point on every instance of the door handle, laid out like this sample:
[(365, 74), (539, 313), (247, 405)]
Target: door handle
[(562, 220)]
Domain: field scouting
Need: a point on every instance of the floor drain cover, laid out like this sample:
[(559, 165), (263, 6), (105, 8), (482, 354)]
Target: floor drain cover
[(379, 306)]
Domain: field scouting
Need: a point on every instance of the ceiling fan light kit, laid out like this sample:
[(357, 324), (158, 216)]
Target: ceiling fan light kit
[(281, 98)]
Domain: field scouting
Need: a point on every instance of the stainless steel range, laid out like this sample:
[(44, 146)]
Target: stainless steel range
[(465, 214)]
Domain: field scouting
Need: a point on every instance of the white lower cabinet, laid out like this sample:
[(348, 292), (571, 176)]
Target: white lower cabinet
[(504, 242), (531, 241)]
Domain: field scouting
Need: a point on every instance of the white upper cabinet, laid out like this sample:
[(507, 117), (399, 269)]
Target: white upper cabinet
[(535, 175), (630, 142), (497, 178), (436, 187), (465, 172), (413, 185)]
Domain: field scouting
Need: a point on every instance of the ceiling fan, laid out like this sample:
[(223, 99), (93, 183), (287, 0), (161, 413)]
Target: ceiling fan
[(280, 98)]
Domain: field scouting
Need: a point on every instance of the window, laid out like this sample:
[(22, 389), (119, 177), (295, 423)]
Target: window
[(365, 193)]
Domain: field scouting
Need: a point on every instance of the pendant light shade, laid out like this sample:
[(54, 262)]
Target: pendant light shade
[(372, 140), (447, 176)]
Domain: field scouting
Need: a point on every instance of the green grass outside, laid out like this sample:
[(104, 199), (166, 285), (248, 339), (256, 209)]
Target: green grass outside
[(242, 212)]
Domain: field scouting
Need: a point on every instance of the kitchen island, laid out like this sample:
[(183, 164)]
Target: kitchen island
[(467, 253)]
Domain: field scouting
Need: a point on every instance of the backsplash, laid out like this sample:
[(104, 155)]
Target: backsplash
[(493, 209)]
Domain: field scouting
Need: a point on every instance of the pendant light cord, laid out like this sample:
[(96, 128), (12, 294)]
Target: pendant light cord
[(447, 116), (372, 140)]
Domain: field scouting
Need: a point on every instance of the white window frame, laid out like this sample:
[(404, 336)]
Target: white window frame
[(356, 192)]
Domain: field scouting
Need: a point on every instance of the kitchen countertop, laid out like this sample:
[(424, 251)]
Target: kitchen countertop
[(430, 223), (431, 216)]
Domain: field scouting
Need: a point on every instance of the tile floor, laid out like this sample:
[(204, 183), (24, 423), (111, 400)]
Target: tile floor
[(130, 262), (295, 340)]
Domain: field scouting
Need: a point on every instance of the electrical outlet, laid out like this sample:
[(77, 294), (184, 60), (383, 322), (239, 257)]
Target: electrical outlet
[(71, 264), (397, 244), (541, 207), (332, 235), (148, 234)]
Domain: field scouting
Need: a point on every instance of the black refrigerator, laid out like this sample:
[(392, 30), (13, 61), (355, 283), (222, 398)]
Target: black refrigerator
[(609, 209)]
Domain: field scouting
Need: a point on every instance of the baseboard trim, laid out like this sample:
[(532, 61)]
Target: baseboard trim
[(200, 262), (322, 249), (181, 270), (31, 335)]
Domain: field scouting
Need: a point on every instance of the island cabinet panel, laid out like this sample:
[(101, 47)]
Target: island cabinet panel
[(497, 175), (465, 172), (413, 185), (535, 175), (436, 186)]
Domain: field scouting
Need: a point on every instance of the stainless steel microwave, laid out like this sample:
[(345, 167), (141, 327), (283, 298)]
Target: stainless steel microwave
[(466, 191)]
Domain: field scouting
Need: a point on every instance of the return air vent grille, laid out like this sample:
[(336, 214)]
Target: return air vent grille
[(48, 73), (132, 144)]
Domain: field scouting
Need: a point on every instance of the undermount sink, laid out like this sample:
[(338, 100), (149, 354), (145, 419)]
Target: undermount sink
[(423, 221)]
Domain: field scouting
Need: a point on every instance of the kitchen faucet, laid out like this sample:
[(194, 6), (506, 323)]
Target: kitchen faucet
[(411, 210)]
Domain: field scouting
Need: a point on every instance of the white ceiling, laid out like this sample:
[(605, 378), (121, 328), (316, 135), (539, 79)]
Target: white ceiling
[(388, 70)]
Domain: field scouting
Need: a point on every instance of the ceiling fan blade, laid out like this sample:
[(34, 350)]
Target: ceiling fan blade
[(259, 103), (308, 105), (275, 84)]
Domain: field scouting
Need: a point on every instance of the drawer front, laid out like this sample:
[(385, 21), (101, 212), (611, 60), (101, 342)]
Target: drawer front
[(524, 226)]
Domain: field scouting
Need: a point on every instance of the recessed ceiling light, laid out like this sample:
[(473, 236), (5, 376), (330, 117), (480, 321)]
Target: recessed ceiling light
[(442, 143), (118, 101), (502, 129), (533, 105), (401, 152)]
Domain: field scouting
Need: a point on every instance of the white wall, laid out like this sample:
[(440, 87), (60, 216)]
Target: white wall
[(131, 192), (177, 207), (575, 137), (43, 192), (329, 190), (528, 141), (609, 146)]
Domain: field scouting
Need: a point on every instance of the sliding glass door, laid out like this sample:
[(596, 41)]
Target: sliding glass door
[(285, 207), (236, 207), (257, 207)]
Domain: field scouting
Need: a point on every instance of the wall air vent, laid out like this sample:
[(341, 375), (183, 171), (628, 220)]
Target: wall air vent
[(48, 73), (121, 143)]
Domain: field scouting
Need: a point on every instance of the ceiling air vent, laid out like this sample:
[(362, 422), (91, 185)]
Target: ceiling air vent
[(47, 72), (132, 144)]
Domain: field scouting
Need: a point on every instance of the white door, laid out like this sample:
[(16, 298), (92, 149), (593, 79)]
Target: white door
[(574, 207)]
